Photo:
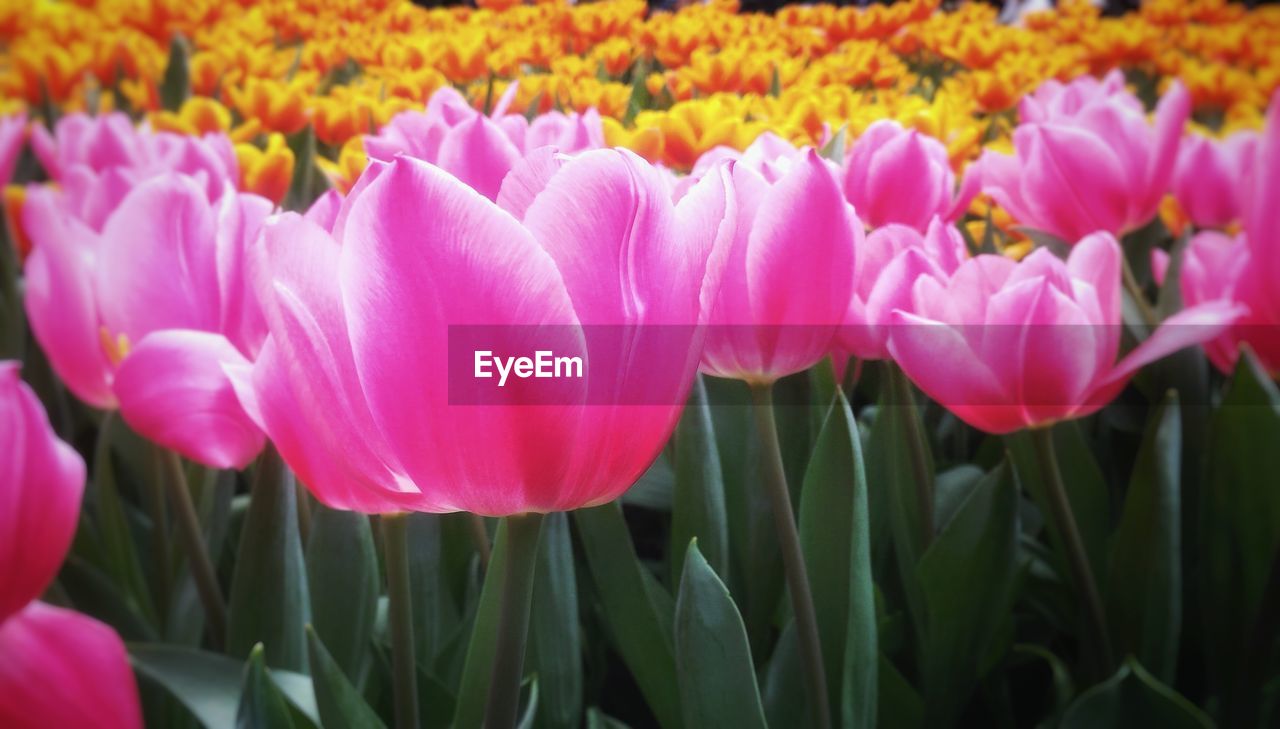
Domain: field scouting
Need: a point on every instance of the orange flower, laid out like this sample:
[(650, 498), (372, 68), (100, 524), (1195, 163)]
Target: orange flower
[(280, 107), (266, 172), (198, 115)]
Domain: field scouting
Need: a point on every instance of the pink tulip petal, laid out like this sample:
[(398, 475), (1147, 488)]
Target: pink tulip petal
[(528, 178), (1189, 327), (173, 390), (939, 361), (64, 669), (59, 299), (1072, 182), (422, 252), (478, 153), (41, 482), (295, 271), (157, 266), (803, 231)]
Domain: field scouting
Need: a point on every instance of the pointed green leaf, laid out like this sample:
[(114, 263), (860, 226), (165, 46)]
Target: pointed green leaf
[(834, 534), (120, 555), (638, 631), (555, 642), (343, 584), (1133, 698), (1144, 602), (262, 705), (698, 503), (209, 685), (1241, 511), (269, 601), (176, 86), (713, 661), (473, 690), (339, 703), (1086, 488), (966, 581)]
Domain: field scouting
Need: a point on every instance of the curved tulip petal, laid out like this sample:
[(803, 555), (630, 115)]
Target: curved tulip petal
[(41, 482), (528, 178), (295, 271), (478, 153), (59, 301), (468, 262), (173, 390), (803, 231), (938, 359), (1187, 328), (64, 669), (157, 264)]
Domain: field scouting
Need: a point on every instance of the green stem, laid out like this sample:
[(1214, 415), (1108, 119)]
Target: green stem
[(160, 546), (480, 535), (520, 551), (920, 472), (1139, 298), (792, 557), (192, 536), (404, 667), (1077, 559)]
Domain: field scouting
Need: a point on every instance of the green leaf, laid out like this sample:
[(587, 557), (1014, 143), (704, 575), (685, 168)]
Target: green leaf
[(1043, 239), (713, 661), (597, 719), (966, 582), (891, 478), (633, 620), (435, 612), (176, 85), (656, 487), (339, 703), (261, 704), (899, 703), (555, 642), (1241, 511), (209, 685), (120, 556), (473, 690), (834, 149), (1144, 602), (698, 502), (1086, 487), (783, 691), (269, 601), (834, 534), (1132, 698), (306, 185), (343, 584)]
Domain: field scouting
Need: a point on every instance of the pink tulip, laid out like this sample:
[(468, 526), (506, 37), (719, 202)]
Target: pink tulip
[(1244, 269), (897, 175), (141, 315), (1007, 345), (41, 481), (13, 131), (96, 161), (365, 383), (1056, 100), (769, 155), (88, 147), (64, 669), (477, 149), (789, 276), (1084, 165), (59, 668), (1209, 174), (890, 261)]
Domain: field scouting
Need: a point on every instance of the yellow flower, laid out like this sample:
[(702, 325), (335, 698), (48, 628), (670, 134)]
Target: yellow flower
[(268, 171)]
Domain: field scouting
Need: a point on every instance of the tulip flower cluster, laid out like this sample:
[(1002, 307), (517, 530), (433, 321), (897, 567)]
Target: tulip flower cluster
[(551, 364)]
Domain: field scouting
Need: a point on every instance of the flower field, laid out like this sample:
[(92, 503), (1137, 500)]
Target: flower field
[(554, 365)]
